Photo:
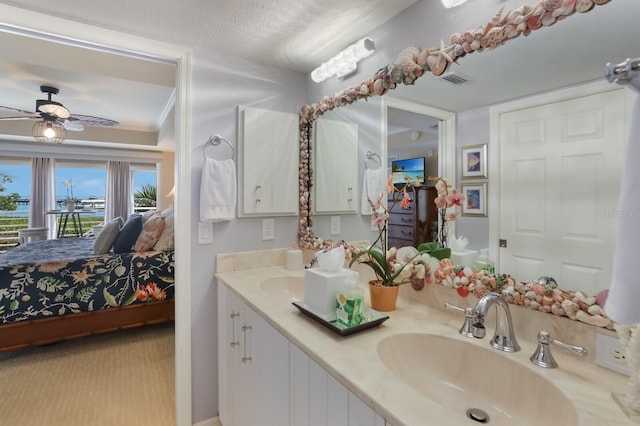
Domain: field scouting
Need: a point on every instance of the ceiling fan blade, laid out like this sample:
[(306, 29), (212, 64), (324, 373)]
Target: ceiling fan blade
[(22, 117), (74, 126), (88, 120), (29, 113)]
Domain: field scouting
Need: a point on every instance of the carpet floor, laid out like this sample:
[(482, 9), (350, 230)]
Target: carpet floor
[(122, 378)]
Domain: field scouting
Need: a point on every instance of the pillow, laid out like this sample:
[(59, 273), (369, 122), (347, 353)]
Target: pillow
[(165, 242), (147, 215), (107, 236), (128, 234), (151, 231)]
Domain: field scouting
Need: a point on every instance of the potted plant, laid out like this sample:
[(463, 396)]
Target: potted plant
[(392, 267)]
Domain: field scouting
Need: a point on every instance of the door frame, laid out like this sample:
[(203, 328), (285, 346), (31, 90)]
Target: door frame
[(33, 24)]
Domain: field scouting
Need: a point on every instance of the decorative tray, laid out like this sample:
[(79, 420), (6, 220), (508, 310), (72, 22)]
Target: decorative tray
[(371, 319)]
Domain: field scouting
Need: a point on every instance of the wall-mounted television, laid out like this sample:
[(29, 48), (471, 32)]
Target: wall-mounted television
[(408, 170)]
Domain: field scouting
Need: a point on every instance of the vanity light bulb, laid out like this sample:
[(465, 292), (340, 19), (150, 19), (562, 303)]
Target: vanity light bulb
[(452, 3)]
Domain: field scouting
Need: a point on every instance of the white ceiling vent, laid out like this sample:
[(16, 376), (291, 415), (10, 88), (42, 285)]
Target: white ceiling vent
[(454, 78)]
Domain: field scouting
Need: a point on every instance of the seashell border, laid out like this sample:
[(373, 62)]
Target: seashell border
[(411, 64)]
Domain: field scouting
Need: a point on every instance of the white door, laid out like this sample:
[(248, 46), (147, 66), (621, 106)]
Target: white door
[(560, 170)]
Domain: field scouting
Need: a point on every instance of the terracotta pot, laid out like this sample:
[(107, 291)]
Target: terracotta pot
[(383, 298)]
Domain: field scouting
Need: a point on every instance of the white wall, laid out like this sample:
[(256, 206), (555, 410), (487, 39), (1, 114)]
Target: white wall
[(220, 83), (472, 128)]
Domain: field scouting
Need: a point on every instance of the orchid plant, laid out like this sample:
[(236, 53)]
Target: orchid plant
[(390, 270), (68, 184), (447, 203)]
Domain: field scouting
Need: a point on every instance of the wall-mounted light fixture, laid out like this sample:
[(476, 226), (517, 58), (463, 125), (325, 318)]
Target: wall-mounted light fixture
[(48, 131), (345, 62), (452, 3)]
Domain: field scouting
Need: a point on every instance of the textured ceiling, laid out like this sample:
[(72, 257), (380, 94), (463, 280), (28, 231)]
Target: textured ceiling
[(300, 34), (293, 34)]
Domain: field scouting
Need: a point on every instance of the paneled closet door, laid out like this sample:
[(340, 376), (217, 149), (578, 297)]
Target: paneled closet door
[(560, 171)]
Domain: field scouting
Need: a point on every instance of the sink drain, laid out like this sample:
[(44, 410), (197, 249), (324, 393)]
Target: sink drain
[(478, 415)]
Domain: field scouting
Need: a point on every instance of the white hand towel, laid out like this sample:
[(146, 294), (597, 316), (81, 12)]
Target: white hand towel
[(373, 185), (624, 292), (218, 190)]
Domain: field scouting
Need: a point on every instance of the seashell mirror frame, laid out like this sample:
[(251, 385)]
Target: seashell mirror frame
[(411, 64)]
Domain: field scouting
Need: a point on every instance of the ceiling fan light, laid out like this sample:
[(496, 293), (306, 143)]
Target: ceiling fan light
[(47, 131), (55, 110)]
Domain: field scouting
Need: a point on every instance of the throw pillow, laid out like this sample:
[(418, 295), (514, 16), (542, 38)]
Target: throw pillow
[(148, 215), (128, 234), (151, 231), (166, 241), (107, 236)]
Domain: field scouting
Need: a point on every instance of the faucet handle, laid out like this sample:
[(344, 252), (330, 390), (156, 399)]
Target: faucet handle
[(466, 329), (542, 355)]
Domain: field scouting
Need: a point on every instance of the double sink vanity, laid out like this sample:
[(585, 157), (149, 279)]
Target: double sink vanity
[(279, 367)]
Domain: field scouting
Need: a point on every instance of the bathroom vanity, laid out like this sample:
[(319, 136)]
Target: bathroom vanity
[(283, 368)]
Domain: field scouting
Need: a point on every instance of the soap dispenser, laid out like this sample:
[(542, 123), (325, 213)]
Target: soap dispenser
[(349, 303), (483, 263)]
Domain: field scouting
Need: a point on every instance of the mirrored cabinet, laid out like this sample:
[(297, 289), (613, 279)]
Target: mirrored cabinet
[(268, 162)]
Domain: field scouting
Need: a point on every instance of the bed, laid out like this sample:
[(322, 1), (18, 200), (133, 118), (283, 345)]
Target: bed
[(59, 289)]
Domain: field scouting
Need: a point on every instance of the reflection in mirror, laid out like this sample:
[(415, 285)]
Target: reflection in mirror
[(335, 160), (524, 65)]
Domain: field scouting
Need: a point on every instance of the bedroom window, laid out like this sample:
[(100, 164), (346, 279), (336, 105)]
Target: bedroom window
[(15, 190), (145, 184)]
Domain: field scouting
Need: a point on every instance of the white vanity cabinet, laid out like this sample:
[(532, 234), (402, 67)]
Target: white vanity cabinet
[(266, 380), (253, 365), (268, 160)]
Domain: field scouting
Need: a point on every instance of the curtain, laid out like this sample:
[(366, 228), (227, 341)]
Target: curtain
[(118, 200), (43, 195)]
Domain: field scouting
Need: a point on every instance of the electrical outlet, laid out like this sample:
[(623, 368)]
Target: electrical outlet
[(268, 229), (205, 233), (335, 225), (610, 355)]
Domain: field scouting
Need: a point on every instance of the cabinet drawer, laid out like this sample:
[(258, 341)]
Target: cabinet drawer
[(397, 209), (397, 243), (401, 219), (403, 232)]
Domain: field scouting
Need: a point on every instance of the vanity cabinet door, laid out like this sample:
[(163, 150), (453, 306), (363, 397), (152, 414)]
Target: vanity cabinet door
[(229, 357), (318, 399), (268, 159), (253, 360)]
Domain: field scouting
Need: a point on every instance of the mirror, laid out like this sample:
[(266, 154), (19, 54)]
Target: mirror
[(574, 50)]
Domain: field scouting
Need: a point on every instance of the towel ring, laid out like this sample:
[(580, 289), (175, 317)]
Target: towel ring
[(370, 156), (215, 141)]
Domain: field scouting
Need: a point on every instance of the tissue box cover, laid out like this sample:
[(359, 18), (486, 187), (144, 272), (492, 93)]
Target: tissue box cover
[(464, 257), (321, 287)]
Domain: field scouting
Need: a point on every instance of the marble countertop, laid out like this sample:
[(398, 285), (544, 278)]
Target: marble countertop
[(353, 360)]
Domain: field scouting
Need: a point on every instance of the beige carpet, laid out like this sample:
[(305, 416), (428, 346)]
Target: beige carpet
[(123, 378)]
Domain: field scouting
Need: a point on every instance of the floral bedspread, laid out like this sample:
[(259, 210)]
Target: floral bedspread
[(48, 287)]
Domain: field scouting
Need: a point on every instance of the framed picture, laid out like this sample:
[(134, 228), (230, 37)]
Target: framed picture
[(474, 161), (475, 199)]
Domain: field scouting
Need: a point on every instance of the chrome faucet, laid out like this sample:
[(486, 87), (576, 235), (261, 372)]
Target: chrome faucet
[(504, 338)]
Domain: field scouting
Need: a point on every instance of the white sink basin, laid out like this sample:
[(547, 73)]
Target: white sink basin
[(461, 375), (290, 287)]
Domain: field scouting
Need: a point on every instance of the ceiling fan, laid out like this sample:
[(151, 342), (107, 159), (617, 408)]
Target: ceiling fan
[(55, 119)]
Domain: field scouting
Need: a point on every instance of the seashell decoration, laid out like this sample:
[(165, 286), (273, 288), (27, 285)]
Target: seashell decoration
[(411, 64)]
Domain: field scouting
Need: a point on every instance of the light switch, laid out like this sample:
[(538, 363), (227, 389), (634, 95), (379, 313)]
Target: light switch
[(335, 225), (205, 232)]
